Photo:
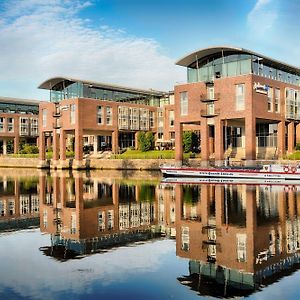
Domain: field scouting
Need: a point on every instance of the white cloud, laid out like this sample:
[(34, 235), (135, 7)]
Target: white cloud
[(40, 39), (263, 15)]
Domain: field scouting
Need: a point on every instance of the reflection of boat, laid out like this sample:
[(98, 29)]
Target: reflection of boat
[(225, 180), (266, 172)]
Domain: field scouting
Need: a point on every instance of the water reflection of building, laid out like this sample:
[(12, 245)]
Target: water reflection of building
[(85, 214), (236, 237), (19, 203)]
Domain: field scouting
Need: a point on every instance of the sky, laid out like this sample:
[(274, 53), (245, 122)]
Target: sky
[(132, 43)]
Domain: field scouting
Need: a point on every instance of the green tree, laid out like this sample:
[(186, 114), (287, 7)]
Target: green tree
[(149, 137), (190, 141), (142, 141)]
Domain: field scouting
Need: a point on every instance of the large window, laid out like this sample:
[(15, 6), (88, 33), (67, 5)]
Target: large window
[(240, 96), (183, 103), (24, 126), (72, 113), (144, 119), (277, 101), (10, 124), (108, 115), (171, 118), (100, 115), (151, 118), (34, 130), (1, 124), (270, 99), (44, 117), (123, 117)]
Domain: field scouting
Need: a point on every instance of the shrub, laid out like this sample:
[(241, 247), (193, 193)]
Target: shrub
[(29, 149), (190, 141), (298, 146)]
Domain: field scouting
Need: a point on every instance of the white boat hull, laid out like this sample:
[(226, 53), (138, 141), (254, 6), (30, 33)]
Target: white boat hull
[(230, 173)]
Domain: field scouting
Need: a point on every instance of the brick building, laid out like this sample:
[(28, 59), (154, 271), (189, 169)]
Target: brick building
[(18, 122), (99, 114), (246, 104)]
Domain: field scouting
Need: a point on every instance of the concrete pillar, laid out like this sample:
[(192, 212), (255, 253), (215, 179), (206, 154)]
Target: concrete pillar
[(4, 147), (219, 142), (62, 145), (136, 141), (178, 142), (95, 144), (48, 142), (281, 139), (250, 138), (78, 145), (115, 141), (204, 141), (16, 144), (291, 137), (55, 146), (42, 146)]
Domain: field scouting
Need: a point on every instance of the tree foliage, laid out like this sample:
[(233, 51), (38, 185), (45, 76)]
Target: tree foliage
[(190, 141), (145, 141)]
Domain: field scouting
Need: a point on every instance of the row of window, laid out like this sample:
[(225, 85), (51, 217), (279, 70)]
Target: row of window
[(28, 126), (134, 118)]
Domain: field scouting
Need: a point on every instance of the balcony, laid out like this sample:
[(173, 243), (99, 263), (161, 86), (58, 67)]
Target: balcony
[(209, 113), (209, 98), (57, 125), (56, 114)]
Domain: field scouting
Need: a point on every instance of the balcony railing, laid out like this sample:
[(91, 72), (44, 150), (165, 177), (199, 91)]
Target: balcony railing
[(209, 113), (207, 98)]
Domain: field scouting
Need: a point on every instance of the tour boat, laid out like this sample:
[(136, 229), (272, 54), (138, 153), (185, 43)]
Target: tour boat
[(269, 172)]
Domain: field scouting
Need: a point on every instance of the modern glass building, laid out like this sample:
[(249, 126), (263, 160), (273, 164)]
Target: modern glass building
[(247, 104), (66, 88)]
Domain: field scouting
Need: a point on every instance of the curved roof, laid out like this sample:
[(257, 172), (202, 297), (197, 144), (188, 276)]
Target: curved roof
[(59, 83), (187, 60), (19, 101)]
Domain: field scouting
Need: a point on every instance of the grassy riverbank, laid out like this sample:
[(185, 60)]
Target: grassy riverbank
[(153, 154)]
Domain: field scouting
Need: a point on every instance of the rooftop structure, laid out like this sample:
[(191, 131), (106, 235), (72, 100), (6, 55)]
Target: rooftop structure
[(16, 105), (66, 88), (226, 61)]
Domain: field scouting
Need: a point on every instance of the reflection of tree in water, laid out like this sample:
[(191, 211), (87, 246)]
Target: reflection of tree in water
[(191, 194), (147, 192), (7, 189), (127, 193)]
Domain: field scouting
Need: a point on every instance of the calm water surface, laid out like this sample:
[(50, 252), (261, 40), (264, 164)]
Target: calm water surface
[(126, 235)]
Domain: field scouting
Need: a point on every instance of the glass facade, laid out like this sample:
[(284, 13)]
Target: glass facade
[(208, 68), (81, 90), (19, 108)]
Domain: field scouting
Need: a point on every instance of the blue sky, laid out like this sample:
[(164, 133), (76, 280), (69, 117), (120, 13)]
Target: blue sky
[(132, 42)]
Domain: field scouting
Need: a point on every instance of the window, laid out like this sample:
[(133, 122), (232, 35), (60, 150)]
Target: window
[(10, 124), (171, 118), (183, 103), (134, 118), (151, 120), (44, 117), (100, 115), (34, 130), (123, 117), (240, 96), (210, 92), (144, 119), (277, 101), (210, 108), (1, 124), (24, 126), (72, 113), (270, 99), (108, 115)]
